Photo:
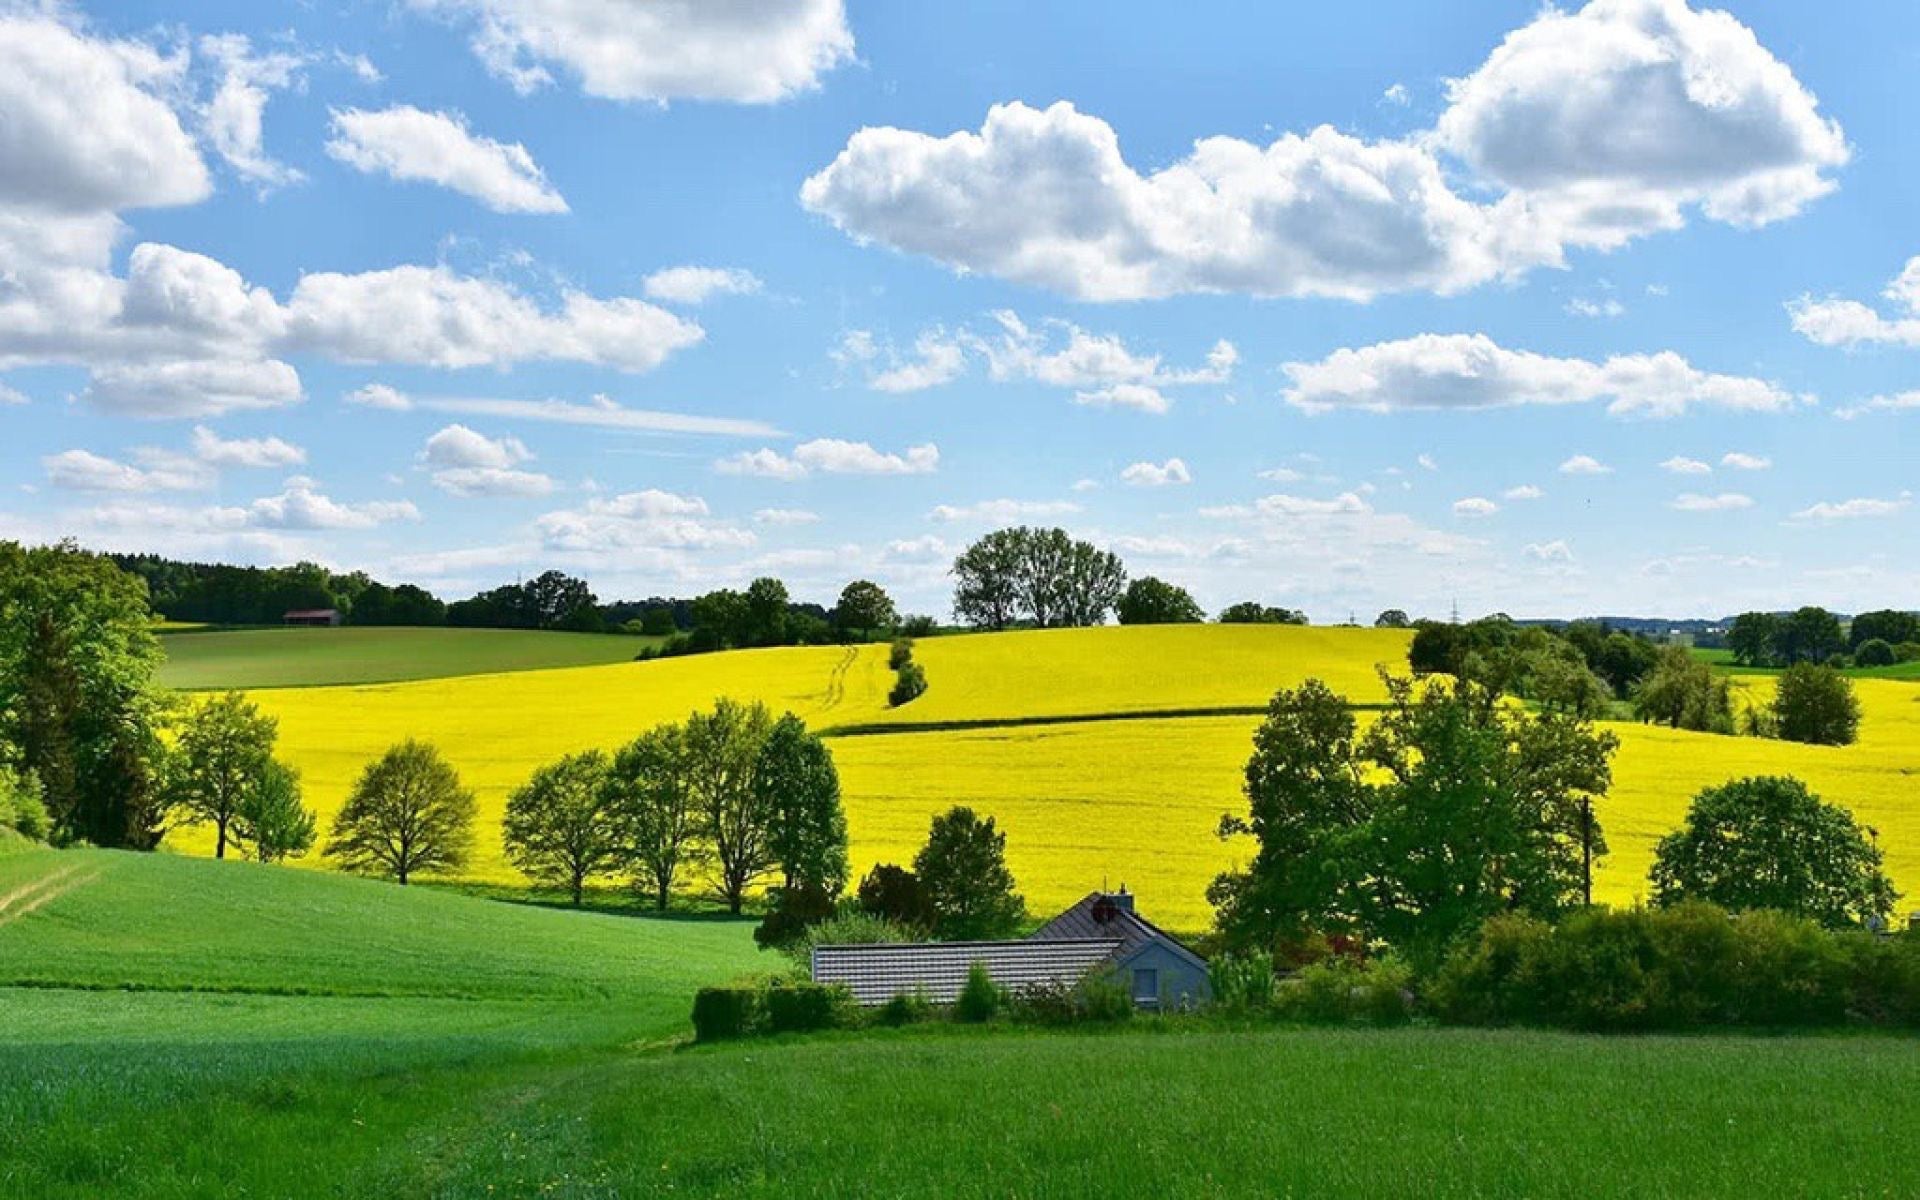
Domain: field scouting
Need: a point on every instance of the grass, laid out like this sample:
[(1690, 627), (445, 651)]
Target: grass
[(1723, 659), (321, 657)]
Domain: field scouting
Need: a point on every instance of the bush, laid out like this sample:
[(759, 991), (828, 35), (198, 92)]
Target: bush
[(1242, 983), (1098, 997), (1790, 972), (919, 626), (848, 926), (1907, 652), (908, 1008), (1875, 652), (1341, 991), (727, 1012), (900, 653), (908, 683), (1492, 978), (980, 999), (802, 1007), (892, 892), (21, 807), (794, 911)]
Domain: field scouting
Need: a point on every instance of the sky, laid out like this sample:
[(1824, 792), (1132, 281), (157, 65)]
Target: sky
[(1610, 309)]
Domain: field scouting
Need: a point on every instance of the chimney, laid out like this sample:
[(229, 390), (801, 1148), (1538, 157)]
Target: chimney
[(1122, 899)]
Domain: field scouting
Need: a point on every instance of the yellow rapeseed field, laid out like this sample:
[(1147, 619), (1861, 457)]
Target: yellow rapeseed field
[(1083, 801)]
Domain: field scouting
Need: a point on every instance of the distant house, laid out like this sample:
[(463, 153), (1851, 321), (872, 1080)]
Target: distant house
[(1102, 932), (311, 616)]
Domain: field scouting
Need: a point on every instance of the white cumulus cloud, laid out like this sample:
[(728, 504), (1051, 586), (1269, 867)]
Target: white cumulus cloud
[(410, 144), (697, 285), (1150, 474)]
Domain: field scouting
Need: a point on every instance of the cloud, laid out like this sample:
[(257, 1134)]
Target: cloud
[(1002, 512), (1556, 551), (1857, 509), (645, 520), (84, 471), (1396, 95), (466, 463), (937, 359), (1525, 491), (1679, 464), (1724, 502), (209, 447), (697, 285), (785, 516), (750, 52), (1147, 474), (1899, 402), (233, 117), (11, 395), (302, 507), (1588, 129), (1745, 462), (1471, 371), (89, 130), (379, 395), (1838, 322), (408, 144), (1584, 464), (194, 388), (1475, 506), (598, 413), (1138, 396), (430, 316), (1579, 306), (1283, 505), (831, 456)]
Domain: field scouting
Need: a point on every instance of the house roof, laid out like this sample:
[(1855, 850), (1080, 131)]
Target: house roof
[(876, 974), (1101, 915)]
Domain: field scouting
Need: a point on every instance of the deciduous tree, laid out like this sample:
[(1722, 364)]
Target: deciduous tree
[(560, 825), (969, 891), (272, 820), (800, 789), (649, 792), (721, 749), (866, 607), (1816, 705), (407, 813), (222, 757), (1768, 842), (1151, 601)]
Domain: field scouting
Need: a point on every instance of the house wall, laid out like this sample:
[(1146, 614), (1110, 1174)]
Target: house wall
[(1180, 977)]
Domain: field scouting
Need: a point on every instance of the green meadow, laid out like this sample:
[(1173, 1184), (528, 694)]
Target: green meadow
[(300, 657)]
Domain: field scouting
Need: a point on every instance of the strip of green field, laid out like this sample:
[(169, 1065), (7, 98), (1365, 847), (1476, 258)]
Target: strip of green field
[(299, 657), (1723, 659)]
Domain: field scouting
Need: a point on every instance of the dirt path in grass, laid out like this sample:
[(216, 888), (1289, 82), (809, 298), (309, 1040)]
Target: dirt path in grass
[(31, 897)]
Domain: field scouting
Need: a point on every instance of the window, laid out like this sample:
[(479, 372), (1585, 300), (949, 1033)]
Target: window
[(1146, 986)]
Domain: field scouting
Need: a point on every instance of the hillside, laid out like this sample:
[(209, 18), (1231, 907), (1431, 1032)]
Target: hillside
[(1022, 726), (243, 1030), (200, 659)]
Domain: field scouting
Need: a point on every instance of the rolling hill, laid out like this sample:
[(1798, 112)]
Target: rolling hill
[(201, 659)]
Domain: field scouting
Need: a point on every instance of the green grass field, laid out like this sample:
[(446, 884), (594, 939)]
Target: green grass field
[(294, 657), (1723, 659), (235, 1030)]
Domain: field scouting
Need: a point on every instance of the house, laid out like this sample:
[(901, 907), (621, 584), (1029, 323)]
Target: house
[(311, 616), (1102, 932)]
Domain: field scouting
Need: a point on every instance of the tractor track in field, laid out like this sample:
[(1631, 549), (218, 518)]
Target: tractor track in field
[(837, 679), (29, 898)]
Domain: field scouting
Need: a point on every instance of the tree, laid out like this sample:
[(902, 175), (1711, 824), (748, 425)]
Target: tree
[(894, 894), (1817, 705), (865, 606), (767, 603), (1392, 618), (965, 881), (1887, 625), (647, 789), (720, 750), (1768, 842), (1150, 601), (560, 826), (1451, 808), (1684, 692), (407, 813), (800, 790), (1875, 652), (222, 758), (1809, 635), (78, 701), (986, 593), (554, 599), (21, 808), (1753, 637), (725, 616), (1252, 612), (272, 819), (1090, 585)]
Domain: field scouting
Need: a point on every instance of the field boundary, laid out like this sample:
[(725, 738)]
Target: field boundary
[(877, 728)]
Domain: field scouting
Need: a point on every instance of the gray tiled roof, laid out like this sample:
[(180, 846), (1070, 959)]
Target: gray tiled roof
[(877, 973)]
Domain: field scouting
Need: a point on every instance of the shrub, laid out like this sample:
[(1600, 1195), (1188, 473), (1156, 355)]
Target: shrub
[(1875, 652), (908, 1008), (794, 911), (908, 684), (21, 807), (1242, 983), (1100, 997), (1340, 990), (801, 1007), (1594, 971), (848, 926), (900, 653), (980, 999), (919, 626), (1491, 979), (727, 1012), (1883, 977), (1790, 972), (1907, 652), (894, 893), (1103, 997)]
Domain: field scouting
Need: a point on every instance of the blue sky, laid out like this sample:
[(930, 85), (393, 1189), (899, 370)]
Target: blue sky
[(1551, 311)]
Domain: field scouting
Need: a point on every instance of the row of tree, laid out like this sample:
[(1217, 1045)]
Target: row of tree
[(1814, 635), (1452, 808)]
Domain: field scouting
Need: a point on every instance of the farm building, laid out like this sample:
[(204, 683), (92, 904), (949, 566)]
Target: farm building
[(311, 616), (1102, 932)]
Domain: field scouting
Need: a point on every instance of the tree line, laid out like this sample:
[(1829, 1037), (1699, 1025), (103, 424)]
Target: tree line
[(1814, 635)]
